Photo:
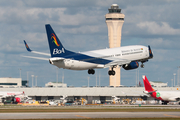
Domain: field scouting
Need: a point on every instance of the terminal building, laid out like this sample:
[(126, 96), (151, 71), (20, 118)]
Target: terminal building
[(158, 84), (91, 94), (12, 82), (55, 91)]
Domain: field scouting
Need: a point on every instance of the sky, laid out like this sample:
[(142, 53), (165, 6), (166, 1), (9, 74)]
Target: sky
[(81, 26)]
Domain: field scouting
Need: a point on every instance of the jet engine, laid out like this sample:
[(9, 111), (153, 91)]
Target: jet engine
[(130, 66), (17, 100)]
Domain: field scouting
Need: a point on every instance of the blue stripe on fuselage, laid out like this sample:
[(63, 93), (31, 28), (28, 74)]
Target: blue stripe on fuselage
[(86, 58)]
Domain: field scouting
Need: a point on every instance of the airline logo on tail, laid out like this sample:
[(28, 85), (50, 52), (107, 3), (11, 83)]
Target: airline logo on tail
[(27, 46), (57, 51), (157, 94), (53, 37)]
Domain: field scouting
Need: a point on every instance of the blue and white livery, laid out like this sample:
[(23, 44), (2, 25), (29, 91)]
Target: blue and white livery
[(126, 57)]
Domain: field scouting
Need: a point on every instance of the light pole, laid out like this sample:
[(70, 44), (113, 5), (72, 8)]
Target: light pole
[(27, 80), (99, 79), (20, 72), (178, 76), (36, 81), (174, 78), (136, 77), (88, 81), (96, 80), (172, 82), (32, 79), (57, 76), (62, 76)]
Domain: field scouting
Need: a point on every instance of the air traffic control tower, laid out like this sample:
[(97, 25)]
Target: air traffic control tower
[(114, 20)]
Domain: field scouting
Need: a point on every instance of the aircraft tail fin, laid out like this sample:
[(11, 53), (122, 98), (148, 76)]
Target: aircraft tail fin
[(147, 85), (55, 46)]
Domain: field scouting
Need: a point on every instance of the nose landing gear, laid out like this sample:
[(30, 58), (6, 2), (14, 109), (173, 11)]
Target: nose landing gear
[(142, 65)]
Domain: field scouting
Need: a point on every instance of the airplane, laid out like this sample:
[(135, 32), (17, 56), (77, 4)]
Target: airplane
[(14, 96), (164, 96), (126, 57), (114, 100), (63, 99)]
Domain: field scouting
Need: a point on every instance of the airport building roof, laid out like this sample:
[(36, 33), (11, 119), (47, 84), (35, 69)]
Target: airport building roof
[(86, 91)]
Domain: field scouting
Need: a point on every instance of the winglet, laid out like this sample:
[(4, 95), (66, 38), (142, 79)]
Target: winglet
[(27, 47), (150, 52)]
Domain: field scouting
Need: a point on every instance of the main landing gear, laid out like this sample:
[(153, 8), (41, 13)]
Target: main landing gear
[(112, 72), (91, 71), (142, 65)]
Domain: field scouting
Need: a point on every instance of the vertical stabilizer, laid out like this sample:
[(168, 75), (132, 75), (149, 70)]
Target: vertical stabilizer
[(55, 46), (147, 85)]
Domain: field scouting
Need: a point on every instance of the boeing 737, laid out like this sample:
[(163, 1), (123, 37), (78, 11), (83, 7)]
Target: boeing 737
[(126, 57), (164, 96)]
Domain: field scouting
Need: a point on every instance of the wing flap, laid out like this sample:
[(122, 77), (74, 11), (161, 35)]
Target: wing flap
[(119, 62)]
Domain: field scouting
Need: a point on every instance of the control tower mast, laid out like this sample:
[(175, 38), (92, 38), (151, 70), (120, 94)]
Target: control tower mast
[(114, 21)]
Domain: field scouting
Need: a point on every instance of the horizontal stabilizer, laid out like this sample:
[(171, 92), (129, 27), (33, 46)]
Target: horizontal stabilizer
[(146, 92), (41, 53), (39, 58)]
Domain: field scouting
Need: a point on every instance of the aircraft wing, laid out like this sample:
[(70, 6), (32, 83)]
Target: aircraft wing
[(28, 49), (174, 98), (118, 62)]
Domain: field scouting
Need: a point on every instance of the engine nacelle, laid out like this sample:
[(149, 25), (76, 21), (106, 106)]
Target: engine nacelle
[(17, 100), (132, 65)]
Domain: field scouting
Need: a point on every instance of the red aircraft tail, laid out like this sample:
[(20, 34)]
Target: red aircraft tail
[(147, 85)]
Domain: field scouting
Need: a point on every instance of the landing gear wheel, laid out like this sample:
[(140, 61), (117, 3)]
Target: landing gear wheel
[(111, 72), (142, 65), (91, 71)]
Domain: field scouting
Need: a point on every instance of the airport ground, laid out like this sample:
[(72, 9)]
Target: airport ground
[(127, 112)]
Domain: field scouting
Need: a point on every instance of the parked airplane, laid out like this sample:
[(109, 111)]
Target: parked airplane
[(114, 100), (164, 96), (127, 57), (14, 96)]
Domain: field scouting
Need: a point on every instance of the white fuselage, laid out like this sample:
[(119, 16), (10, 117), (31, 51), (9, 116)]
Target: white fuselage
[(9, 94), (102, 57), (169, 95)]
